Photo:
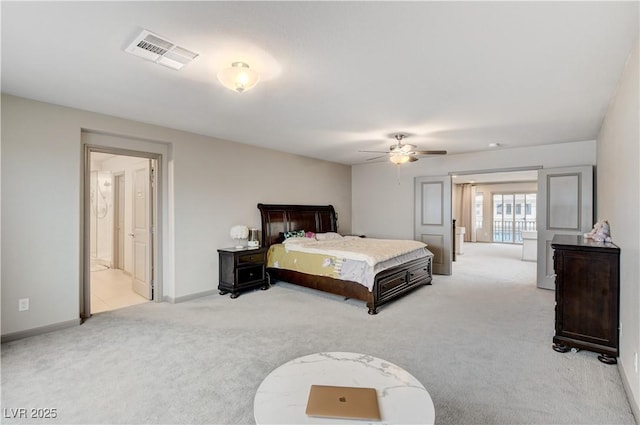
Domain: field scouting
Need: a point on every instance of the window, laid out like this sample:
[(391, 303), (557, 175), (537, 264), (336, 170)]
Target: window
[(479, 206), (508, 226)]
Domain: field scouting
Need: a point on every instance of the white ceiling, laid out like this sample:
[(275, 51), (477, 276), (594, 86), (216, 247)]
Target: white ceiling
[(337, 77)]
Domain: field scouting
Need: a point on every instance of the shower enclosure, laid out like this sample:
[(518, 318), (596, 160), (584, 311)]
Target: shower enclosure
[(101, 226)]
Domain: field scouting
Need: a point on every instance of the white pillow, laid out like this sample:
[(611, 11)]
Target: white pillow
[(328, 236), (296, 239)]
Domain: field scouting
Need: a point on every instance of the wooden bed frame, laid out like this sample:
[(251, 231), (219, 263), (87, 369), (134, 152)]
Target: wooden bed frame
[(389, 284)]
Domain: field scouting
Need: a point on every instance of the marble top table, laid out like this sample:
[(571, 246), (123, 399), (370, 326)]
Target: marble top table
[(282, 396)]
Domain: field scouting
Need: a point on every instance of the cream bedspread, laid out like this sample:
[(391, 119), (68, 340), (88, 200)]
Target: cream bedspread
[(370, 250)]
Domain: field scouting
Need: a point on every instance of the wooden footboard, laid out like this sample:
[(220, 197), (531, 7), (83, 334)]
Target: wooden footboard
[(397, 281), (389, 284)]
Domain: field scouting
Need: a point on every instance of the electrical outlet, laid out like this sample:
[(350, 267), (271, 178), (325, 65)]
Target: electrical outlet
[(23, 304)]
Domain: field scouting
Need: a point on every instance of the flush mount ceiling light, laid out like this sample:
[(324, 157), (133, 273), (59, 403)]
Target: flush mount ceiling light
[(238, 77)]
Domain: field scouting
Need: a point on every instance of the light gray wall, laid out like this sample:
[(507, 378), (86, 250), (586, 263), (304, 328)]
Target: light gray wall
[(383, 194), (618, 188), (209, 186)]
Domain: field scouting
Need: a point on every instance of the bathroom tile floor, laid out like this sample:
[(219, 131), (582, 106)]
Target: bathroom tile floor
[(111, 289)]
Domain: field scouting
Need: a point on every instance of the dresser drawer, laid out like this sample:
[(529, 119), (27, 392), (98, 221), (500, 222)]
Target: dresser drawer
[(250, 274)]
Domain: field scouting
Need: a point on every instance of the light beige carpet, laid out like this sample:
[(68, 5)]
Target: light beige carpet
[(479, 341)]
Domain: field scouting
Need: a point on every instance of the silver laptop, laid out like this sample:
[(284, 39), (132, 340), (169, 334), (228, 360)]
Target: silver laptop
[(343, 402)]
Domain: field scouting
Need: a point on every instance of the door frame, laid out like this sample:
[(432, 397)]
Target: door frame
[(85, 240)]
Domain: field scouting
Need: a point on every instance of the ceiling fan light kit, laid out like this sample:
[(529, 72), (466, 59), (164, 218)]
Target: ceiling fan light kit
[(238, 77), (401, 153), (406, 148), (399, 158)]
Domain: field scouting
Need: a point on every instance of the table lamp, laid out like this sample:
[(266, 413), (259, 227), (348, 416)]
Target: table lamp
[(238, 233)]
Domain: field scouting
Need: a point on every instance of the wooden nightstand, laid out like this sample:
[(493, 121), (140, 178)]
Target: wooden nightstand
[(242, 268)]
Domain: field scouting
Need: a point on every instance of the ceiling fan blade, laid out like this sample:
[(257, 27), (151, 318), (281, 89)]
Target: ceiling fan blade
[(430, 152), (374, 151), (412, 159), (376, 157)]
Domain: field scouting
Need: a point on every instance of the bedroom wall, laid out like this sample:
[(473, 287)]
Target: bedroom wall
[(383, 195), (618, 188), (210, 185)]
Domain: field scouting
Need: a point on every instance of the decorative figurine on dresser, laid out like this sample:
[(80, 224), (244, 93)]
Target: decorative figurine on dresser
[(242, 268), (587, 295)]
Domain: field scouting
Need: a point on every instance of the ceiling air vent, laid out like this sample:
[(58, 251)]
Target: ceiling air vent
[(152, 47)]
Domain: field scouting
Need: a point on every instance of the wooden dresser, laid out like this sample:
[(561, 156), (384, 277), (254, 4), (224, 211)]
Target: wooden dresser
[(587, 296)]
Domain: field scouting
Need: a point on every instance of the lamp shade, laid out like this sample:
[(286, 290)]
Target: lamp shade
[(238, 77), (239, 232)]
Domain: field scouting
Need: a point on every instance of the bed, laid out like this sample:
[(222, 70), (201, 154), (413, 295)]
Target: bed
[(388, 284)]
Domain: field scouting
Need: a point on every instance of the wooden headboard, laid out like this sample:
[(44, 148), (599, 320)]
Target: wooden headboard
[(277, 219)]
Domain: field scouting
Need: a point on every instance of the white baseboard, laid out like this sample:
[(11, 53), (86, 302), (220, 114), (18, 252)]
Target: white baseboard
[(102, 262), (173, 300), (627, 389), (39, 331)]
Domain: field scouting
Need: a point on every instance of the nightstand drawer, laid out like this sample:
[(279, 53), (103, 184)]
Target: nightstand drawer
[(256, 258), (250, 274)]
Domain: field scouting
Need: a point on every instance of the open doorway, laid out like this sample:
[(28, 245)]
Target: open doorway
[(120, 215), (496, 207)]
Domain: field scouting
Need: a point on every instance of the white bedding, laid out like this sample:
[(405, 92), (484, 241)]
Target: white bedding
[(372, 251), (360, 259)]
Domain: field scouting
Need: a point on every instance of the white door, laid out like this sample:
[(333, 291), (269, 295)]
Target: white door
[(433, 224), (142, 225), (565, 207)]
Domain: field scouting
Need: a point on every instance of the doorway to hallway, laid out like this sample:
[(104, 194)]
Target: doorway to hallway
[(120, 215)]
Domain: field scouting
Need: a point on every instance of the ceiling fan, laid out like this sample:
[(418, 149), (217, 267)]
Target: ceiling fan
[(400, 153)]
